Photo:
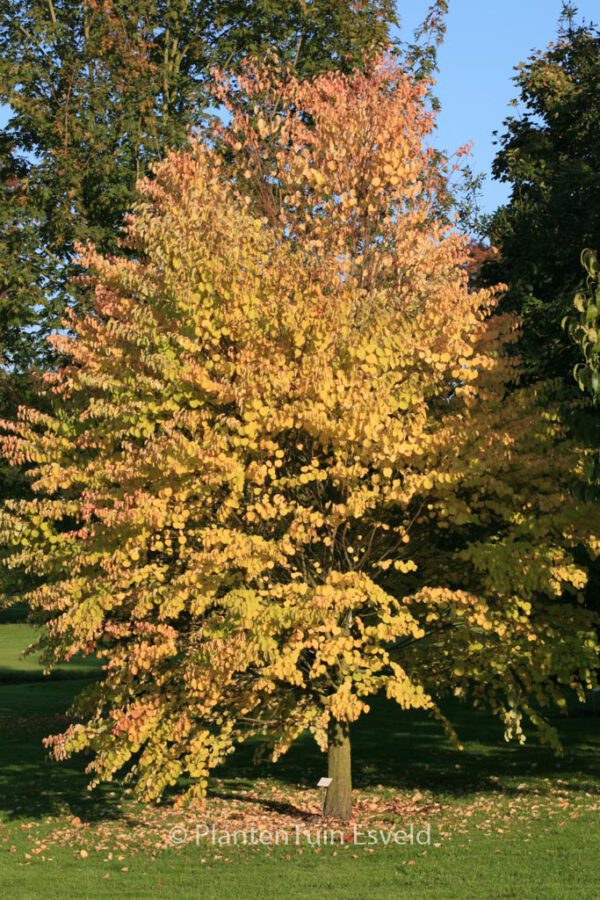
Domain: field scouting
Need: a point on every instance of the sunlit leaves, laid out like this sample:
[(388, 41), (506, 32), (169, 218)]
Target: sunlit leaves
[(282, 473)]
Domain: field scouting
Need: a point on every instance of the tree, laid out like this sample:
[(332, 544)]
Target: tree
[(98, 90), (22, 303), (550, 155), (281, 473)]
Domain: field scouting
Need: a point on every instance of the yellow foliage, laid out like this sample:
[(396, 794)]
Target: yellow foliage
[(285, 388)]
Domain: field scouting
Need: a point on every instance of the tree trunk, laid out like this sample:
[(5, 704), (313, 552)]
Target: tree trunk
[(338, 801)]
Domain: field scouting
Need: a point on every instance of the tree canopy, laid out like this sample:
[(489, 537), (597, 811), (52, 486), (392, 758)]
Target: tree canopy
[(550, 155), (97, 91)]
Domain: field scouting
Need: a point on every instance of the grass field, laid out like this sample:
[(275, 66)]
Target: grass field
[(15, 637), (505, 822)]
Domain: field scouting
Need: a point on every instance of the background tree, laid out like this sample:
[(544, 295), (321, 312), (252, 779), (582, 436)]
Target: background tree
[(26, 313), (280, 473), (550, 155)]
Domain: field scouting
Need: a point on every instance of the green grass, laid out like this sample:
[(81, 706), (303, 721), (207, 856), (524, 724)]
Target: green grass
[(15, 666), (508, 822)]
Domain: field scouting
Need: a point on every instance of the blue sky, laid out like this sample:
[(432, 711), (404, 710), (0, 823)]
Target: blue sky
[(484, 42)]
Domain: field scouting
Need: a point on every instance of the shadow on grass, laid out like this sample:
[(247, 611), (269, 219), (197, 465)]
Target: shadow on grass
[(409, 751), (32, 785), (395, 749), (275, 806), (83, 670)]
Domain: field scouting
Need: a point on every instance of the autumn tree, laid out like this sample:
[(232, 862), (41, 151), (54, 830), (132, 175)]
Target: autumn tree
[(98, 90), (93, 93), (281, 474)]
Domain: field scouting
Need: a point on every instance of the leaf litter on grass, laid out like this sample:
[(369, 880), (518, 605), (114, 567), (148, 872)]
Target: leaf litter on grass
[(267, 807)]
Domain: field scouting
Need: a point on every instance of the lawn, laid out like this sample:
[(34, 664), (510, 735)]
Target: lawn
[(505, 822), (16, 666)]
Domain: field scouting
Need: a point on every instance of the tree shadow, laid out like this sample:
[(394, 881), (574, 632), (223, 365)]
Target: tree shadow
[(31, 784), (266, 803), (400, 751), (410, 751)]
